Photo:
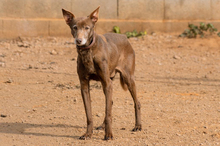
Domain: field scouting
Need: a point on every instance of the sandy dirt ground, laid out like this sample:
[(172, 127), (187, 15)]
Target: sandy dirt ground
[(178, 84)]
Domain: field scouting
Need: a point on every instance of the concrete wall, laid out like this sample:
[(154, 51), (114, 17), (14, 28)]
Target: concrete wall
[(44, 17)]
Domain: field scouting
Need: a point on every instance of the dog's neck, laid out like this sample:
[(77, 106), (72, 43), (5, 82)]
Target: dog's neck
[(85, 55)]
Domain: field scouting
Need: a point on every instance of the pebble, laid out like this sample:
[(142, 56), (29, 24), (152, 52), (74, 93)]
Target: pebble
[(73, 59), (20, 44), (176, 57), (3, 116), (2, 64), (30, 66), (2, 55), (8, 81), (23, 44), (180, 46), (53, 52), (99, 115), (153, 34)]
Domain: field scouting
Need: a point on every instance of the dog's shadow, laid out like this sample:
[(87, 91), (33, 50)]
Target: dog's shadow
[(24, 129)]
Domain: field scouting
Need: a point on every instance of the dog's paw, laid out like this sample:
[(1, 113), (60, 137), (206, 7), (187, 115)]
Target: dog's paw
[(137, 128), (108, 136), (85, 136)]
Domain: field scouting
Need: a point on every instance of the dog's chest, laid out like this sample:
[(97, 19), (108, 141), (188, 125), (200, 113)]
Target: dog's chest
[(86, 59)]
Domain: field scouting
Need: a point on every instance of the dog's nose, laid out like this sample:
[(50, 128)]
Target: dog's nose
[(78, 41)]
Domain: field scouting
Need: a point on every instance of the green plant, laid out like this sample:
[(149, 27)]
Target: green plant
[(129, 34), (194, 30), (116, 29)]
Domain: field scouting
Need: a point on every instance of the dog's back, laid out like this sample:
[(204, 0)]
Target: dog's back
[(120, 40), (117, 45)]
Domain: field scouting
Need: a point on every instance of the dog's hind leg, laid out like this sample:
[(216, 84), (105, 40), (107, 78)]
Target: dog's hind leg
[(127, 82), (132, 88)]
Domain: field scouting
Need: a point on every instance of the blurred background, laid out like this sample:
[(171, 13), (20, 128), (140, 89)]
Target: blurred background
[(44, 17)]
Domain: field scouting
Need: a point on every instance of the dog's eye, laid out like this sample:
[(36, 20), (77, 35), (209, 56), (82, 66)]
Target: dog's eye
[(75, 27), (86, 27)]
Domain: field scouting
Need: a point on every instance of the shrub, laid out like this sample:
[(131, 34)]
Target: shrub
[(194, 30)]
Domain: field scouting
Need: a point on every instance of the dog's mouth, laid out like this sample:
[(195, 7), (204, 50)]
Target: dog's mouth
[(81, 45), (80, 42), (84, 46)]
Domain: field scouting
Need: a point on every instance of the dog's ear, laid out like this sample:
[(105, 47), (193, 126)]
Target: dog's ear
[(95, 15), (68, 16)]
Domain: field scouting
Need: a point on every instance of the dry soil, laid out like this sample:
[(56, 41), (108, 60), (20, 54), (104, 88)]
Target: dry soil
[(178, 84)]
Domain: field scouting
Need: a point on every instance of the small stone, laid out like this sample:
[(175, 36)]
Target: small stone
[(9, 81), (53, 52), (2, 64), (176, 57), (26, 45), (73, 59), (99, 115), (2, 55), (53, 63), (153, 34), (3, 116), (20, 44), (23, 44), (30, 67)]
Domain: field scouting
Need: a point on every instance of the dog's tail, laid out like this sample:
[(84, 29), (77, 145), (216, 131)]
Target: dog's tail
[(122, 79), (123, 84)]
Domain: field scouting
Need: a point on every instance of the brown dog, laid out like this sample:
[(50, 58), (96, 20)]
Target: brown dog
[(100, 57)]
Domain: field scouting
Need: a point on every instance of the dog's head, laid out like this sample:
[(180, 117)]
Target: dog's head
[(82, 28)]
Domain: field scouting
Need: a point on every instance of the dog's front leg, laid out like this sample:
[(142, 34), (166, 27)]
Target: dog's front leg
[(87, 104)]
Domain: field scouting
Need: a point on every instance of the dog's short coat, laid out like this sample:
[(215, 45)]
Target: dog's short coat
[(100, 57)]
